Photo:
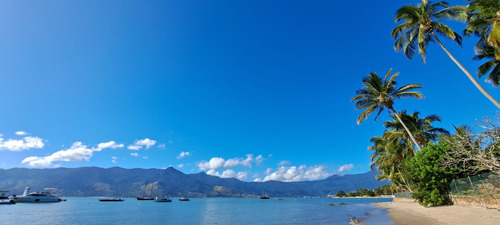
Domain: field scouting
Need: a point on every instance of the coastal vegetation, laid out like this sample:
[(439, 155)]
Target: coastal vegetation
[(363, 192), (412, 153)]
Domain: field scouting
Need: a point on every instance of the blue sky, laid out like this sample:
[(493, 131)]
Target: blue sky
[(257, 90)]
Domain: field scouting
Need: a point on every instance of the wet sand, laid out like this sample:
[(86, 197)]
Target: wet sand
[(415, 214)]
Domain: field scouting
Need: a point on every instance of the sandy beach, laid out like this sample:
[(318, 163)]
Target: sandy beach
[(415, 214)]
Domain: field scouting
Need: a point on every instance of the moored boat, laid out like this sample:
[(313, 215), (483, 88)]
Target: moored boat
[(147, 194), (183, 199), (47, 196), (163, 199), (3, 196), (111, 200), (7, 202), (4, 199)]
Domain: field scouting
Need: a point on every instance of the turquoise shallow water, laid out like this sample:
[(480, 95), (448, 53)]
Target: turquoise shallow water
[(220, 211)]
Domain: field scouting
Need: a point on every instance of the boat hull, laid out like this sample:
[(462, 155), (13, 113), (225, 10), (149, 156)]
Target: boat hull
[(111, 200), (31, 199)]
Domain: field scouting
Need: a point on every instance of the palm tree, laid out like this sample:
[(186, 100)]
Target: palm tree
[(388, 158), (485, 51), (422, 128), (378, 94), (483, 17), (419, 29)]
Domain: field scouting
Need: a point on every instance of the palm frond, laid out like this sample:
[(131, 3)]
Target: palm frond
[(453, 12), (447, 32)]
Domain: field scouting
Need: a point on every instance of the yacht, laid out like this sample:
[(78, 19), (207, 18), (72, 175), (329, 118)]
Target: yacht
[(48, 195)]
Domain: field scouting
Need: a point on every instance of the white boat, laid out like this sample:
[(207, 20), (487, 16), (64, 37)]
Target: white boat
[(3, 196), (48, 195), (4, 199), (163, 199)]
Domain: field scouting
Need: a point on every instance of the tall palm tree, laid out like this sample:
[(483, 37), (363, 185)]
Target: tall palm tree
[(419, 29), (483, 17), (378, 94), (492, 66), (422, 128)]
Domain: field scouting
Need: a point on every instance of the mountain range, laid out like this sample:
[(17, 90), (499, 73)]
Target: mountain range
[(120, 182)]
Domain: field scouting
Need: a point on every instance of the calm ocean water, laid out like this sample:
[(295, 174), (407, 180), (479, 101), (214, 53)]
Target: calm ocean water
[(220, 211)]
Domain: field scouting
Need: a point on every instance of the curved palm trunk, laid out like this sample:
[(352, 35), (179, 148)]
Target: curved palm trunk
[(471, 78), (407, 130), (404, 180)]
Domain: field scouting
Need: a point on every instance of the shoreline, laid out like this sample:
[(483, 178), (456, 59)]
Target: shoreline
[(403, 213)]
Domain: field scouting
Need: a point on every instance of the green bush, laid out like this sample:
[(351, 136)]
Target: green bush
[(341, 194), (429, 181)]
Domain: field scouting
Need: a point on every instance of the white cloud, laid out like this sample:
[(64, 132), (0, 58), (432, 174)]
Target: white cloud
[(180, 165), (110, 144), (77, 153), (214, 163), (347, 167), (162, 146), (293, 173), (217, 162), (183, 154), (139, 144), (22, 144), (229, 174), (259, 159), (134, 147), (284, 163), (135, 154), (145, 157), (22, 133), (114, 159)]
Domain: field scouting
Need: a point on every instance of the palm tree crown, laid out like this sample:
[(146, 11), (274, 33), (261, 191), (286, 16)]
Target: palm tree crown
[(419, 26), (422, 128), (378, 94), (483, 17), (485, 51)]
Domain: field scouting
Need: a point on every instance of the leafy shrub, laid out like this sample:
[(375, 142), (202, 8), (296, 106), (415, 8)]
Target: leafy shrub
[(429, 181)]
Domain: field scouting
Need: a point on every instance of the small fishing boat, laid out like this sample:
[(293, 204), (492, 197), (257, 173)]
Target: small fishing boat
[(147, 194), (163, 199), (184, 199), (111, 200), (265, 196)]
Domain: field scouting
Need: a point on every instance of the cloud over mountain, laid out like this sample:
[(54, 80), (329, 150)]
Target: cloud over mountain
[(217, 162), (293, 173), (139, 144), (76, 153), (21, 144)]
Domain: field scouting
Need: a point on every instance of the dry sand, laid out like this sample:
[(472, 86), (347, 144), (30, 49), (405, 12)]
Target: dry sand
[(415, 214)]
